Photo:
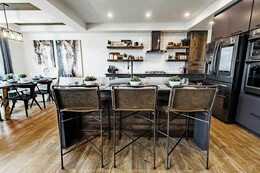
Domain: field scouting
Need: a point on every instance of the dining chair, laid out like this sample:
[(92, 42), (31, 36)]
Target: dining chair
[(25, 97), (134, 100), (81, 101), (43, 87), (183, 101)]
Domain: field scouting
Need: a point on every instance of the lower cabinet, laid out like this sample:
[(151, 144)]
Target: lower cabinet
[(248, 112)]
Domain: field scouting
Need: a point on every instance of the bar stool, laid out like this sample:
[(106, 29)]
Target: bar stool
[(79, 100), (185, 100), (134, 100)]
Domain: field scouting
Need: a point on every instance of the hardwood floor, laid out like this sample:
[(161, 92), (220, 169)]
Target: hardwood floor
[(32, 145)]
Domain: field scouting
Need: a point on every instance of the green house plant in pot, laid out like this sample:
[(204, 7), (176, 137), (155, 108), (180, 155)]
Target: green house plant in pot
[(135, 81), (9, 77), (22, 77), (90, 80), (174, 80)]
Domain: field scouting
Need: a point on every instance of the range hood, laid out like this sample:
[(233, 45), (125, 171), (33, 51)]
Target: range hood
[(156, 41)]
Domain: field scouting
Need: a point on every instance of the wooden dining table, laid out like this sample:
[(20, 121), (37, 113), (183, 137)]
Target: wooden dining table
[(5, 87)]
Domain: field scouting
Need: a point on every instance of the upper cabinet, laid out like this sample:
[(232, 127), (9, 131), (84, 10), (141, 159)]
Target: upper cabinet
[(220, 26), (255, 20), (234, 20), (239, 17)]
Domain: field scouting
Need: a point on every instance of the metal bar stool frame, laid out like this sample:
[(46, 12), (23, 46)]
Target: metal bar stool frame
[(134, 112), (178, 141), (77, 111)]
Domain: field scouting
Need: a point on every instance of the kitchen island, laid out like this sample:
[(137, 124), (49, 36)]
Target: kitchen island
[(133, 124)]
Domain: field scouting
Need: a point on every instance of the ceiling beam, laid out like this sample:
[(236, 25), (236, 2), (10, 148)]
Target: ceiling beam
[(60, 11)]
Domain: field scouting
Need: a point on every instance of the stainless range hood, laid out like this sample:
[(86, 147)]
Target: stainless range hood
[(156, 41)]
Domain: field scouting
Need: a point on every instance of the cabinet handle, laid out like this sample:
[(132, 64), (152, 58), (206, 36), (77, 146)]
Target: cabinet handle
[(236, 32), (255, 115)]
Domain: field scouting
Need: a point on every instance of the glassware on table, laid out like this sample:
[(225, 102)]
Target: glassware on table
[(185, 81), (147, 81)]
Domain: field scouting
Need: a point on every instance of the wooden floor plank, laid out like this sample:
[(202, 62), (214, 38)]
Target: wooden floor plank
[(32, 145)]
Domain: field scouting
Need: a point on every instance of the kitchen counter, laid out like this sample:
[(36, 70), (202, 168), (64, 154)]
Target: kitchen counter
[(192, 77)]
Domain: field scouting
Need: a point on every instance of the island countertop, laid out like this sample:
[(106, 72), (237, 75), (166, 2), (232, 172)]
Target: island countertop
[(192, 77)]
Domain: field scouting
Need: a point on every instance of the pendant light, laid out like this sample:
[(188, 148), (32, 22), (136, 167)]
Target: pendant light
[(8, 33)]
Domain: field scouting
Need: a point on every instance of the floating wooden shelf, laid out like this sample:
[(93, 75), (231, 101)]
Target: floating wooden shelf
[(176, 60), (177, 47), (125, 47), (122, 60)]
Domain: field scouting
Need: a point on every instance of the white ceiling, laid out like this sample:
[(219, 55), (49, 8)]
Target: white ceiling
[(133, 11), (128, 15)]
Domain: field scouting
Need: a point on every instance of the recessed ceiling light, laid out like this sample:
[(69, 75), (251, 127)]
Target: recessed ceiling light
[(148, 14), (110, 15), (187, 14), (211, 22)]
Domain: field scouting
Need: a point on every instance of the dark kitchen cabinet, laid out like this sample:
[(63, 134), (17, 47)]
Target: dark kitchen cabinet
[(255, 20), (239, 17), (220, 26)]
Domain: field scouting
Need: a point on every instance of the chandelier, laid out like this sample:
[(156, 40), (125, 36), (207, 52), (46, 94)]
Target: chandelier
[(8, 33)]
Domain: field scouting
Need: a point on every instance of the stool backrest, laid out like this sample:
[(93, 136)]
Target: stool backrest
[(47, 83), (192, 99), (30, 86), (77, 97), (134, 98)]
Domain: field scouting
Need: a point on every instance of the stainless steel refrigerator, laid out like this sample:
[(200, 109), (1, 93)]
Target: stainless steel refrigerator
[(224, 64)]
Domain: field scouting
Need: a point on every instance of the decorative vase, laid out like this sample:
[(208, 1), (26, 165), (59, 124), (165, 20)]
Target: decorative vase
[(89, 82), (23, 80), (135, 83)]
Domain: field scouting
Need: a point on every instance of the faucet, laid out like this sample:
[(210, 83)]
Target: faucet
[(130, 58)]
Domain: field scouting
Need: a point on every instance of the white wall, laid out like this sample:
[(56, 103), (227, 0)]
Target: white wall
[(95, 53), (17, 55)]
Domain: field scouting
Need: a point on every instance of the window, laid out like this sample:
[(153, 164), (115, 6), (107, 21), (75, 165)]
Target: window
[(2, 69)]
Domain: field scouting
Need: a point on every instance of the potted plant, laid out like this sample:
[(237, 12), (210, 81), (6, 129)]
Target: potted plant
[(22, 77), (174, 80), (9, 77), (135, 81), (90, 80), (185, 42), (109, 42)]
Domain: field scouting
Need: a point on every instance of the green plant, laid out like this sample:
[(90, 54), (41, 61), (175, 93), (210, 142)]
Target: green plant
[(90, 78), (125, 55), (175, 79), (9, 76), (22, 75), (170, 56), (135, 79), (185, 42), (108, 42)]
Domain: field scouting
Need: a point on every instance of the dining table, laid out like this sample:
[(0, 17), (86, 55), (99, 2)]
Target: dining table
[(5, 87)]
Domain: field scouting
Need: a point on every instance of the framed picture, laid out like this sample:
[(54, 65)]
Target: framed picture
[(69, 58), (44, 53)]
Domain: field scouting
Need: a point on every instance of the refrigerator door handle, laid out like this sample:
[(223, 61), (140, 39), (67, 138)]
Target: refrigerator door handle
[(215, 53)]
